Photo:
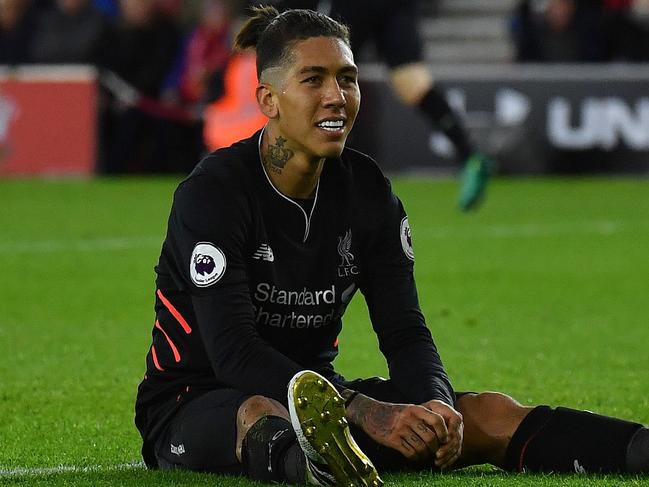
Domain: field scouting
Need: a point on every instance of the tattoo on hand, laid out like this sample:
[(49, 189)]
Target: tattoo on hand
[(277, 156)]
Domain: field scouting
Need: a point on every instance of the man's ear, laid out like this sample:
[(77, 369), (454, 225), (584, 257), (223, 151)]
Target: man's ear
[(267, 100)]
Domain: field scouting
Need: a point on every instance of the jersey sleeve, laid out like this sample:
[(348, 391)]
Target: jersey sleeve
[(208, 228), (391, 295)]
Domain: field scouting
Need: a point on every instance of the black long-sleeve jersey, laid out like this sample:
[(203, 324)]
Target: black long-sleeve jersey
[(252, 285)]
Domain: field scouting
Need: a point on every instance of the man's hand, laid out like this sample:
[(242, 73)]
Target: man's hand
[(449, 451), (415, 431)]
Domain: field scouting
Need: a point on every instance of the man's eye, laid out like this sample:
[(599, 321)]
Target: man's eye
[(348, 79), (311, 80)]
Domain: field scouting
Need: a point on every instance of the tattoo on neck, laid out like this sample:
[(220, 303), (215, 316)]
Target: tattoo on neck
[(277, 156)]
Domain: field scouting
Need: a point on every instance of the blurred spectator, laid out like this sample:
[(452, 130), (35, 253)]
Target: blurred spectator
[(198, 76), (68, 32), (206, 55), (16, 31), (235, 115), (108, 8), (216, 83), (581, 30), (559, 31), (140, 50), (627, 30), (142, 47), (617, 4)]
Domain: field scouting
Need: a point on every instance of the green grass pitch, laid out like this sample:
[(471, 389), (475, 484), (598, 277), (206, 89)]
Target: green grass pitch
[(542, 294)]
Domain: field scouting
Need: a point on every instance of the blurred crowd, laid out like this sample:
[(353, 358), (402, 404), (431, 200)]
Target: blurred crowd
[(170, 88), (581, 30), (160, 63)]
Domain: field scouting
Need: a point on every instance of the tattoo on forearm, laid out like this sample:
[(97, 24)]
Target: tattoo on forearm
[(277, 156), (376, 418)]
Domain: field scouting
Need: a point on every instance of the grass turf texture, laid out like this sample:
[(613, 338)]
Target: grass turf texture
[(541, 294)]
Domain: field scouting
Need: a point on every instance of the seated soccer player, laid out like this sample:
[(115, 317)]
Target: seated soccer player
[(267, 242)]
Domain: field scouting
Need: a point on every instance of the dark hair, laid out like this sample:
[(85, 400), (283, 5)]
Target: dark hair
[(273, 34)]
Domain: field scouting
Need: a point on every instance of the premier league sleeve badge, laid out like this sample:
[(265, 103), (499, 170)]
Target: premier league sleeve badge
[(207, 264)]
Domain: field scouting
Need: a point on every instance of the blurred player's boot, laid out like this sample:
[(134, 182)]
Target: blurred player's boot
[(318, 417), (475, 177)]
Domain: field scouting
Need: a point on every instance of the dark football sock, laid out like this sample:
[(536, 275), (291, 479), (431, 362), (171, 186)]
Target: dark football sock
[(567, 440), (271, 453), (438, 111), (637, 455)]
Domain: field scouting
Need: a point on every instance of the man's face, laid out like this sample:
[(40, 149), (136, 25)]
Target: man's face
[(318, 97)]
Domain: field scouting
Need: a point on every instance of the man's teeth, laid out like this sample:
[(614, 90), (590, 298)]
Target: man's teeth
[(331, 125)]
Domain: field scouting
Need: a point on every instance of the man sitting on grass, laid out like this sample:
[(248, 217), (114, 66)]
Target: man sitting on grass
[(267, 242)]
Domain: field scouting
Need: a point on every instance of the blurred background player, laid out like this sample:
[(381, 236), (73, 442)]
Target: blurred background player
[(392, 26)]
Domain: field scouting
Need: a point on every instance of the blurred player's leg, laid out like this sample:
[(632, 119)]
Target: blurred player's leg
[(400, 44), (414, 85), (475, 176)]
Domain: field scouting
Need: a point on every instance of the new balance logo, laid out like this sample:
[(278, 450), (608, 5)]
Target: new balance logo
[(177, 450), (264, 252)]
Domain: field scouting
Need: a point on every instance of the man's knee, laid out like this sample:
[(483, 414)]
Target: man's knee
[(256, 407), (251, 411), (491, 405), (492, 411), (265, 440), (490, 421), (411, 82)]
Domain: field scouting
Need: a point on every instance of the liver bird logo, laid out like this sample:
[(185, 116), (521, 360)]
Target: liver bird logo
[(344, 246)]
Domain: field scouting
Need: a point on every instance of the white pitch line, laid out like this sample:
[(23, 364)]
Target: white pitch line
[(81, 245), (601, 227), (28, 472), (604, 228)]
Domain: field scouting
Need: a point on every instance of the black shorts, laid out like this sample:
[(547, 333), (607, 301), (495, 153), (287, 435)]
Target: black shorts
[(201, 436), (391, 25)]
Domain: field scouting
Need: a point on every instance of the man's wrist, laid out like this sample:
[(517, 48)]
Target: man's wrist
[(350, 398), (348, 395)]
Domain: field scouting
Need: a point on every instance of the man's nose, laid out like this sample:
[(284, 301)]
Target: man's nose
[(333, 95)]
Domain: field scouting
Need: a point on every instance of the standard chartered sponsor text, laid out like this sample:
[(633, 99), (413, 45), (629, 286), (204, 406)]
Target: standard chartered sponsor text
[(267, 293)]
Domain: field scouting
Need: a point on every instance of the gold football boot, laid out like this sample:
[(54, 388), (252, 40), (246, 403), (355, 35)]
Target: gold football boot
[(318, 417)]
